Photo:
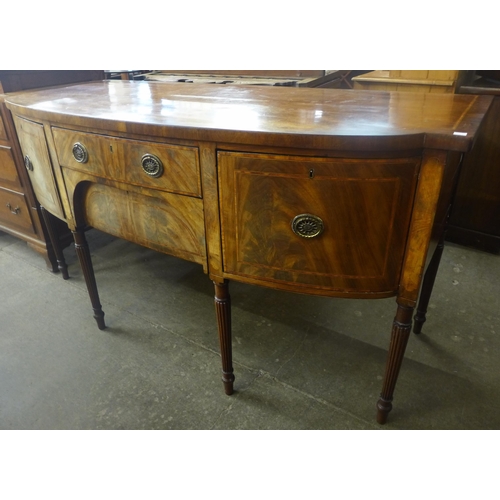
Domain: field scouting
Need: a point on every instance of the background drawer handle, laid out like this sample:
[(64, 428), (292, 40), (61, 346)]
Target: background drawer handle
[(80, 153), (307, 225), (15, 211), (152, 165), (28, 164)]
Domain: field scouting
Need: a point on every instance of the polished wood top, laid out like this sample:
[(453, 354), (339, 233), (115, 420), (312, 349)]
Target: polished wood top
[(288, 117)]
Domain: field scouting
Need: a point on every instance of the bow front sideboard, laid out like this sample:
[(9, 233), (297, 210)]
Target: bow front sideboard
[(319, 191)]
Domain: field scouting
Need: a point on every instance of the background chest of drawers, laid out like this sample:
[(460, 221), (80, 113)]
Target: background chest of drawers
[(475, 216), (19, 209), (475, 220)]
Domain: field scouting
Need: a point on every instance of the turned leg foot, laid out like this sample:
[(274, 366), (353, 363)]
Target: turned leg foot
[(83, 253), (383, 409), (55, 244), (399, 338), (223, 312)]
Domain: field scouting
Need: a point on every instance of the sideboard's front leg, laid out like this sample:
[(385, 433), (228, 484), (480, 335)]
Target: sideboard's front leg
[(223, 311), (83, 253), (55, 243), (400, 332)]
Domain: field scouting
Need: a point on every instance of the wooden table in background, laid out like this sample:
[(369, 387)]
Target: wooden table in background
[(425, 81)]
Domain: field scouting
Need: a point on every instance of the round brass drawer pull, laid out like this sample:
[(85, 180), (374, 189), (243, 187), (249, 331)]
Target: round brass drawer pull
[(80, 153), (152, 165), (28, 164), (307, 225)]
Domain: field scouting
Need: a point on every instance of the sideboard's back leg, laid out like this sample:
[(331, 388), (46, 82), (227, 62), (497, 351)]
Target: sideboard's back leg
[(55, 243), (399, 338), (83, 253), (223, 311), (427, 286)]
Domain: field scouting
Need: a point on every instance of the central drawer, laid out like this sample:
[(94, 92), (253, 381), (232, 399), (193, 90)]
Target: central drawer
[(161, 166)]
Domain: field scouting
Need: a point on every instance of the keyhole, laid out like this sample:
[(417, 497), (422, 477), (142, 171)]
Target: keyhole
[(311, 173)]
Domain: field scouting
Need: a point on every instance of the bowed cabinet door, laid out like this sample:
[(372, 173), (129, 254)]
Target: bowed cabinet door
[(322, 225), (37, 161)]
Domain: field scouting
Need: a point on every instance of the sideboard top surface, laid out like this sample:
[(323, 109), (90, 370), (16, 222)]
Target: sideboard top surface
[(275, 116)]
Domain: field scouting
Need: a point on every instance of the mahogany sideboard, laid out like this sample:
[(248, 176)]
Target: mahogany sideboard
[(319, 191)]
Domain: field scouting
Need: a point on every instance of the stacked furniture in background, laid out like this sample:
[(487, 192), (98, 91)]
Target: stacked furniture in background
[(475, 220), (20, 213), (273, 78), (475, 217)]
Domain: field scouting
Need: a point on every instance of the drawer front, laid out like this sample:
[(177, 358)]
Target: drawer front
[(33, 145), (168, 223), (272, 206), (15, 212), (3, 132), (9, 177), (178, 169)]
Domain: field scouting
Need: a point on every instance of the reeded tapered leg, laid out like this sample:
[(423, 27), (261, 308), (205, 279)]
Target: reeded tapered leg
[(400, 332), (223, 312), (83, 253), (55, 243), (427, 286)]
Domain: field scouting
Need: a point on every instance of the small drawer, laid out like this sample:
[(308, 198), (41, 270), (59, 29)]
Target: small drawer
[(15, 212), (160, 166), (9, 177)]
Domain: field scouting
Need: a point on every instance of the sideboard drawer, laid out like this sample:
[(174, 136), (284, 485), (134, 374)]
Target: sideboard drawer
[(129, 161), (167, 222), (8, 173), (272, 206), (15, 212)]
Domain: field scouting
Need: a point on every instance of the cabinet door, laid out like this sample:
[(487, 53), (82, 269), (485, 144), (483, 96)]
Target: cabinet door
[(34, 147), (272, 206)]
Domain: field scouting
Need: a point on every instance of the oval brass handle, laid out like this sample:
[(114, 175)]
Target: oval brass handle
[(15, 211), (152, 165), (28, 164), (80, 153), (307, 225)]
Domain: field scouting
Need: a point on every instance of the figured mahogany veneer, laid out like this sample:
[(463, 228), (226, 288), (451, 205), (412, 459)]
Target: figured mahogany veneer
[(329, 192), (360, 251)]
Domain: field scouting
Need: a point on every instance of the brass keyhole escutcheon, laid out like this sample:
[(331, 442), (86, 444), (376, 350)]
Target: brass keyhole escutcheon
[(152, 165), (307, 225), (80, 153), (28, 164)]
